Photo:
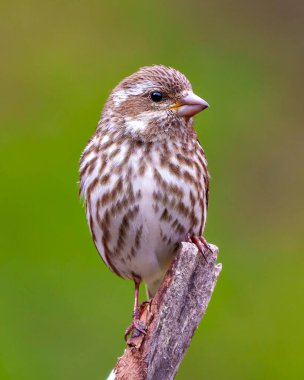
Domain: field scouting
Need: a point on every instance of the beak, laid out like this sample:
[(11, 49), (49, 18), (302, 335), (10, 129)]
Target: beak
[(189, 105)]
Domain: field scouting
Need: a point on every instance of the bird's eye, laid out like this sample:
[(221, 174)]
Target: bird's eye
[(156, 96)]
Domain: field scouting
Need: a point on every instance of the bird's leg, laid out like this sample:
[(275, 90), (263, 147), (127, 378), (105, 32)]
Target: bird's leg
[(201, 243), (137, 326)]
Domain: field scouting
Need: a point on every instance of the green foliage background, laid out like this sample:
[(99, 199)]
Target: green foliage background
[(62, 312)]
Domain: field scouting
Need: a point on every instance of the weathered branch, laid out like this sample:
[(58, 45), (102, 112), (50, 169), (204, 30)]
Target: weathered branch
[(171, 317)]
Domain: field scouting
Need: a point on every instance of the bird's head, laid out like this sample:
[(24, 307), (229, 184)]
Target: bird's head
[(152, 102)]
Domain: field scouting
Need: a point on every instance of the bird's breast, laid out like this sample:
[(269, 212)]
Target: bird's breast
[(143, 201)]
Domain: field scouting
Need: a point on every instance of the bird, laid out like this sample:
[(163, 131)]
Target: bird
[(144, 179)]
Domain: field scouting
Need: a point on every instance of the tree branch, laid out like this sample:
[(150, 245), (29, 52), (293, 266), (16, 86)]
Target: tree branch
[(171, 317)]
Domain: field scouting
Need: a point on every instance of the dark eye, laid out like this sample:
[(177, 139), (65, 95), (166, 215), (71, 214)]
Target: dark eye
[(156, 96)]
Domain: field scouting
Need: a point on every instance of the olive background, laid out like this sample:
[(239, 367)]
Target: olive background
[(62, 312)]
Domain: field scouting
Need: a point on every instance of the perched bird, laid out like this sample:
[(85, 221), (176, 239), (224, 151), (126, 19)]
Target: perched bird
[(144, 178)]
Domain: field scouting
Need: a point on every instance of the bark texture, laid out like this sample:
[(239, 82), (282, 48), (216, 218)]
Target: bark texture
[(171, 317)]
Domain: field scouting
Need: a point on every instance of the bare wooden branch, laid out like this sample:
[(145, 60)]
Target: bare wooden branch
[(171, 317)]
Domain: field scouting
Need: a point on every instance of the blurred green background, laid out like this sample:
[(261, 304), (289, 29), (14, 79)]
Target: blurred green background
[(62, 312)]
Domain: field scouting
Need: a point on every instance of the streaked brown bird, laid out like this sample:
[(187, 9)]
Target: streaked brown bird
[(144, 177)]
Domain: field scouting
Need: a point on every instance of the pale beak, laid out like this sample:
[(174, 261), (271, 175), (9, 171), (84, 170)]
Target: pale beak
[(189, 105)]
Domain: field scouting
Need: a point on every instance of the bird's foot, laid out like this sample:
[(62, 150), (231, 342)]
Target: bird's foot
[(137, 327), (201, 244)]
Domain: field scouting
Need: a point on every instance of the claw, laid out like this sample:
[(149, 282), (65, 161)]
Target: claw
[(201, 244), (137, 326)]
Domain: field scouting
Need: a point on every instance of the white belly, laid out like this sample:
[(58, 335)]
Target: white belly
[(138, 219)]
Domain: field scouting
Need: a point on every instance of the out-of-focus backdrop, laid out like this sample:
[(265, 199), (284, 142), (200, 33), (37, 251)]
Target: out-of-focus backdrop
[(62, 312)]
